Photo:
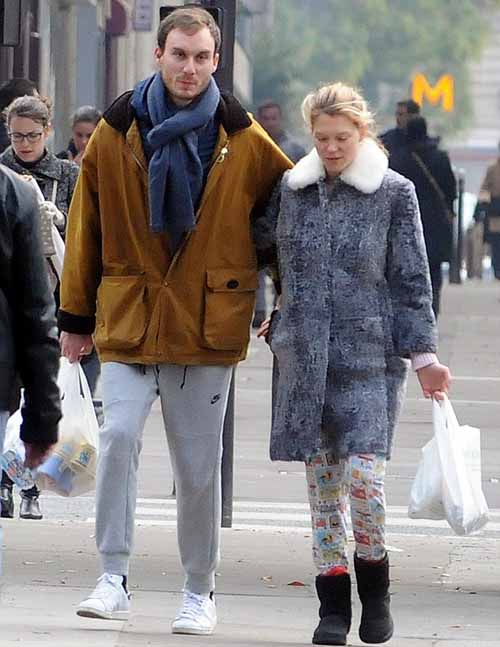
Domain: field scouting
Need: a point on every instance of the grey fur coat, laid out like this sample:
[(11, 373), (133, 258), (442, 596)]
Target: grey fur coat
[(356, 303)]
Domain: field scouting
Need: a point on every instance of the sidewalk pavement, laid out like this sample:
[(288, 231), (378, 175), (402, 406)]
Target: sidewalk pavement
[(446, 591)]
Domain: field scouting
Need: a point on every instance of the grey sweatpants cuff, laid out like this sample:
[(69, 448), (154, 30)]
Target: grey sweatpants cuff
[(115, 564)]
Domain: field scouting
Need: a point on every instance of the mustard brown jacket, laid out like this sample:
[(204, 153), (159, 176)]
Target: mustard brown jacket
[(120, 281)]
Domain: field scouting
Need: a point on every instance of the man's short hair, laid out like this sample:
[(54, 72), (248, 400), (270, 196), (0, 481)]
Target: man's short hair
[(190, 18), (269, 103), (14, 88), (412, 107)]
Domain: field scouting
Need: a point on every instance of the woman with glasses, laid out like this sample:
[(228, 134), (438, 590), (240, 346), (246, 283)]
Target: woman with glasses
[(28, 126)]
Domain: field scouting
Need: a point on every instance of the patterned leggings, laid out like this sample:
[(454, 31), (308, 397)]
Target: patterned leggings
[(330, 482)]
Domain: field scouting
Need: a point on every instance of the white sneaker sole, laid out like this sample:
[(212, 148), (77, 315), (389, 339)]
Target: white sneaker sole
[(192, 631), (90, 612)]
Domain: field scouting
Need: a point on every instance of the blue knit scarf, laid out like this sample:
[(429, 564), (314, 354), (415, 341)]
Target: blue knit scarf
[(175, 169)]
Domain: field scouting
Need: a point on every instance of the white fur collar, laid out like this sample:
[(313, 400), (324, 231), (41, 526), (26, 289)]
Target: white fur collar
[(365, 173)]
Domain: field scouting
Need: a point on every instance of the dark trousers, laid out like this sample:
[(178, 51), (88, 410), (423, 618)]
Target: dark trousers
[(437, 283), (495, 254)]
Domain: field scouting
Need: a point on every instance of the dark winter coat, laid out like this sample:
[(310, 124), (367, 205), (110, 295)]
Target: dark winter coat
[(356, 298), (394, 140), (48, 170), (28, 335), (435, 212)]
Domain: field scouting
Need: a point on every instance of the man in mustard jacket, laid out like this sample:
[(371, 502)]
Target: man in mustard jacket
[(160, 273)]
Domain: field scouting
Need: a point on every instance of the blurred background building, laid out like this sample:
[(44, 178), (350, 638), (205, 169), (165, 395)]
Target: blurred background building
[(477, 146)]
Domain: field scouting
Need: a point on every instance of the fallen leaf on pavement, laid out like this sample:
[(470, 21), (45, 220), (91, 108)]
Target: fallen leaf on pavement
[(295, 583)]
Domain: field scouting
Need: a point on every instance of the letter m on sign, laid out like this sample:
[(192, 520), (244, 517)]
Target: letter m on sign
[(443, 91)]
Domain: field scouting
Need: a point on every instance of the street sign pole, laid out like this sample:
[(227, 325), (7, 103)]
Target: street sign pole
[(457, 246), (224, 78)]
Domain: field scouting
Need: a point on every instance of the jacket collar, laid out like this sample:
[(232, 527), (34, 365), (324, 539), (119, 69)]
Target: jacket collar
[(230, 113), (365, 173)]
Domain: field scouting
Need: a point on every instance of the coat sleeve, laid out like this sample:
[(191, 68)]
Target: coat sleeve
[(448, 181), (83, 257), (272, 165), (264, 235), (407, 271), (34, 324)]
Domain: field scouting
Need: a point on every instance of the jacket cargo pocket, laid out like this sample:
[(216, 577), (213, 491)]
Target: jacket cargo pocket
[(121, 312), (229, 303)]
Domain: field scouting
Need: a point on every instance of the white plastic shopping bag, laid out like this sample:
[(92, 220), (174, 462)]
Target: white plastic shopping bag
[(426, 499), (12, 458), (70, 469), (448, 481)]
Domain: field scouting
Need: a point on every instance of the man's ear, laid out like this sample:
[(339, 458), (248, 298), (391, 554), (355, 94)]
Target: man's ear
[(158, 53), (216, 61)]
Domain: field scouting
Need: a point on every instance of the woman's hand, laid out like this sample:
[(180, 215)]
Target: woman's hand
[(264, 328), (435, 380)]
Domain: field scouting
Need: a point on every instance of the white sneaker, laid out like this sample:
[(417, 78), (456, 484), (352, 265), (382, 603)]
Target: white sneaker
[(197, 616), (108, 601)]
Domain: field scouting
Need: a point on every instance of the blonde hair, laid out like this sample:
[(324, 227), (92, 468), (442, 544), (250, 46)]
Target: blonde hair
[(338, 99)]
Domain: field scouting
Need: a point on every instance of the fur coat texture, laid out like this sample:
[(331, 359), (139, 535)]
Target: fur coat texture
[(356, 303)]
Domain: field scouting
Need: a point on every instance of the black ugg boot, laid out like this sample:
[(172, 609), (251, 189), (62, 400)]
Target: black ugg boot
[(334, 592), (373, 589)]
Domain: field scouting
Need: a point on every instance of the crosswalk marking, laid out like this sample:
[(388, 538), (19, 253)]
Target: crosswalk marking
[(290, 517)]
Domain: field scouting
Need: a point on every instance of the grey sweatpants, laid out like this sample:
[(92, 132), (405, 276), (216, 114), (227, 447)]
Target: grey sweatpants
[(193, 400)]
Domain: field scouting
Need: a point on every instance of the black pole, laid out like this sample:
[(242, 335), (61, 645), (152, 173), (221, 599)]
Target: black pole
[(225, 11), (460, 218), (224, 78), (456, 251), (228, 459)]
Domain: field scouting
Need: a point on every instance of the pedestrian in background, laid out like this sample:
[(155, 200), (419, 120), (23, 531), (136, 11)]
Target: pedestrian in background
[(28, 335), (28, 127), (169, 292), (489, 205), (83, 123), (10, 90), (429, 169), (356, 306), (395, 139), (270, 117)]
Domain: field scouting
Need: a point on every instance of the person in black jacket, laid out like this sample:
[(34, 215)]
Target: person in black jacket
[(395, 139), (28, 123), (29, 347), (430, 171)]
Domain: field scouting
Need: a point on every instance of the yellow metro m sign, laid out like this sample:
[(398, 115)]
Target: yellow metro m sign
[(443, 91)]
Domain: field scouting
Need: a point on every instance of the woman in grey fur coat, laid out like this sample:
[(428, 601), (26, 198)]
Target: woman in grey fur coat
[(355, 308)]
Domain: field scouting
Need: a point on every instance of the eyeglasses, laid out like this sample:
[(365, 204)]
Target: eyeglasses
[(32, 137)]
